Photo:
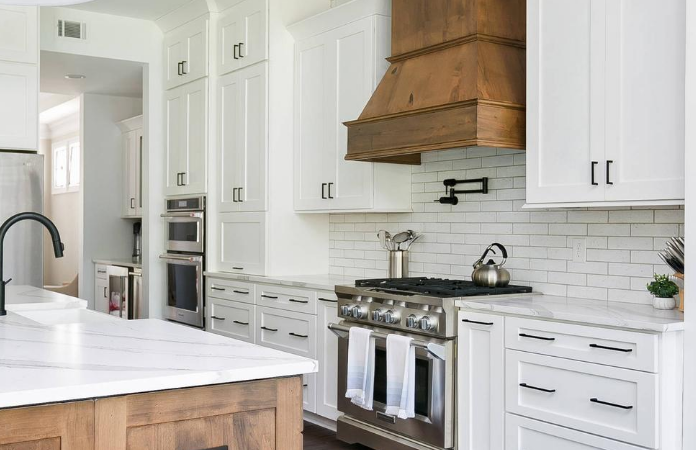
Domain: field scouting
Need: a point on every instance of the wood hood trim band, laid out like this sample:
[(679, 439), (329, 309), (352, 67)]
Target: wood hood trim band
[(456, 42)]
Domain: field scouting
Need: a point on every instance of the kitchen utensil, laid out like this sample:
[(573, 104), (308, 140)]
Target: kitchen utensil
[(400, 238), (410, 242), (382, 235), (389, 241), (490, 274), (671, 262)]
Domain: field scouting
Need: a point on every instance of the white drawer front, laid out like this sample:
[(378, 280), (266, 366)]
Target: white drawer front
[(309, 392), (597, 345), (231, 319), (238, 291), (287, 331), (287, 298), (527, 434), (100, 271), (616, 403)]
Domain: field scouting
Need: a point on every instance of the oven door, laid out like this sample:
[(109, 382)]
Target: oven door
[(184, 275), (434, 394), (185, 232)]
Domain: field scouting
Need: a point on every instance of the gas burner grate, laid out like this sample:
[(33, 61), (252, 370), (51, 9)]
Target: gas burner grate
[(439, 287)]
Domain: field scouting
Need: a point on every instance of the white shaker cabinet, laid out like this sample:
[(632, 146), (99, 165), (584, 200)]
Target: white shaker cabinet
[(132, 166), (605, 102), (186, 53), (186, 119), (327, 354), (480, 381), (243, 139), (243, 36), (242, 242), (337, 69), (19, 80)]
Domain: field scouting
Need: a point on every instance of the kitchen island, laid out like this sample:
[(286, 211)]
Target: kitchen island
[(84, 380)]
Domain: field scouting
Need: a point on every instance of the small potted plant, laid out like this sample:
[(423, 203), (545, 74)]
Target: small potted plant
[(663, 291)]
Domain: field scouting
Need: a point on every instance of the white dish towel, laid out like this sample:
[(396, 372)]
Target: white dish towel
[(361, 367), (401, 374)]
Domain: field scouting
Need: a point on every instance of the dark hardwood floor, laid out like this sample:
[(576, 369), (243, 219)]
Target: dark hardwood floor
[(319, 438)]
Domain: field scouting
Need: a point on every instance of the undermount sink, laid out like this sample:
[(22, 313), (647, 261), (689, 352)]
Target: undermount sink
[(66, 316)]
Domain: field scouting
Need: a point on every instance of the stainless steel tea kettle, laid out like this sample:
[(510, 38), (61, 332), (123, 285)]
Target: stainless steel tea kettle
[(490, 274)]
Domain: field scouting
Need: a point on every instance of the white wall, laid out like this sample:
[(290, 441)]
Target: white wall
[(104, 233), (141, 41)]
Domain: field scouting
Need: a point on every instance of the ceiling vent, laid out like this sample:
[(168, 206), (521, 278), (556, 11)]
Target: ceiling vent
[(72, 30)]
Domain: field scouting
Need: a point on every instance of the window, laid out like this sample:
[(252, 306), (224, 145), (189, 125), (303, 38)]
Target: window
[(66, 166)]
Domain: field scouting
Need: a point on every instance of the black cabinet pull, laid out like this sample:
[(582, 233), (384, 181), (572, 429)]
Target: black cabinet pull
[(305, 385), (528, 386), (609, 163), (234, 195), (215, 288), (234, 51), (541, 338), (269, 296), (105, 294), (323, 191), (132, 205), (241, 292), (240, 323), (178, 179), (179, 70), (327, 300), (614, 349), (269, 329), (217, 318), (477, 322), (298, 301), (238, 268), (298, 335), (240, 49), (330, 196), (614, 405), (183, 179), (183, 68), (594, 164), (239, 195)]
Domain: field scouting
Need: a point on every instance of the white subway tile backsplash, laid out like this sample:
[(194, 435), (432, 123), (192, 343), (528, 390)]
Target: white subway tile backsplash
[(622, 243)]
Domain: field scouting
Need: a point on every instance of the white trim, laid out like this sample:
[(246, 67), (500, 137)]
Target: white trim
[(603, 205), (66, 144), (338, 16)]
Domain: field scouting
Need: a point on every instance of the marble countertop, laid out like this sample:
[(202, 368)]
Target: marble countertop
[(593, 312), (98, 358), (324, 282), (24, 298), (122, 262)]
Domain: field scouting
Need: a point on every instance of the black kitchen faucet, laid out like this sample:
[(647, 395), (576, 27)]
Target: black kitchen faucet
[(58, 246)]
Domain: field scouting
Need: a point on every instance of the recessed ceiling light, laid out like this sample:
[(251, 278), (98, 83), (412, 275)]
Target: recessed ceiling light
[(42, 2), (75, 76)]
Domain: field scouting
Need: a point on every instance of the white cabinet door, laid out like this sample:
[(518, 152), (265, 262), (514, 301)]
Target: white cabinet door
[(242, 244), (351, 67), (232, 319), (327, 354), (101, 295), (243, 36), (19, 120), (645, 100), (130, 176), (565, 100), (315, 155), (480, 381), (174, 145), (139, 142), (186, 53), (243, 139), (19, 37)]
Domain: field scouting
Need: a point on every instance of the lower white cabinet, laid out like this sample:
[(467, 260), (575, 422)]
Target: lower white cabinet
[(309, 389), (480, 381), (232, 319), (242, 242), (527, 434), (327, 354), (287, 331), (101, 294)]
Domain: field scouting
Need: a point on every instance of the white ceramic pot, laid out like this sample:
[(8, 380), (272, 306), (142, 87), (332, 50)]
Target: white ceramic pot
[(664, 303)]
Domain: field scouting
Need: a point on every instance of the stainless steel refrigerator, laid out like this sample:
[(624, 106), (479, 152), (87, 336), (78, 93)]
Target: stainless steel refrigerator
[(21, 189)]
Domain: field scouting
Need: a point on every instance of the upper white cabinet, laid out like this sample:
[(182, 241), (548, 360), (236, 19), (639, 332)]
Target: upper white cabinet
[(186, 119), (19, 80), (242, 243), (605, 102), (132, 165), (186, 53), (243, 139), (243, 36), (339, 61), (19, 35)]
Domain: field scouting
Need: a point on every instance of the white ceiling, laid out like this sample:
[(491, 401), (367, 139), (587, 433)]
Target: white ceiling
[(139, 9), (104, 76)]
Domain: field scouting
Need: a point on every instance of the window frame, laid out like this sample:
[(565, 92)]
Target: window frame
[(68, 145)]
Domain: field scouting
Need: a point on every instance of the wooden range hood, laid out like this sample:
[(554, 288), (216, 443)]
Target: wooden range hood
[(457, 79)]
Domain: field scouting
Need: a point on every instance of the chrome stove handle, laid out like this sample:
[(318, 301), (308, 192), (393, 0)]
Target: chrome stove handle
[(434, 350)]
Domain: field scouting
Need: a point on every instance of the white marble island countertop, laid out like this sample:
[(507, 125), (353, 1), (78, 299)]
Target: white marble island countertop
[(591, 312), (55, 363), (25, 298)]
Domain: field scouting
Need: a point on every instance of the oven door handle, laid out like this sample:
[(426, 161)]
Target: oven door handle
[(435, 350), (180, 258), (174, 215)]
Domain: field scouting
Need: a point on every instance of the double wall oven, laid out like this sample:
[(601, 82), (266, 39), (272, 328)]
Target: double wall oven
[(184, 222)]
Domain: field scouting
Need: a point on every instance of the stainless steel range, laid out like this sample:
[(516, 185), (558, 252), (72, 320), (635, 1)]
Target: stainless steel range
[(421, 308)]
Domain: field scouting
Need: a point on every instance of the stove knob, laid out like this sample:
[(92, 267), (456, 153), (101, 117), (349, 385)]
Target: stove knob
[(359, 312), (427, 323), (345, 311), (391, 317), (412, 321), (377, 315)]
